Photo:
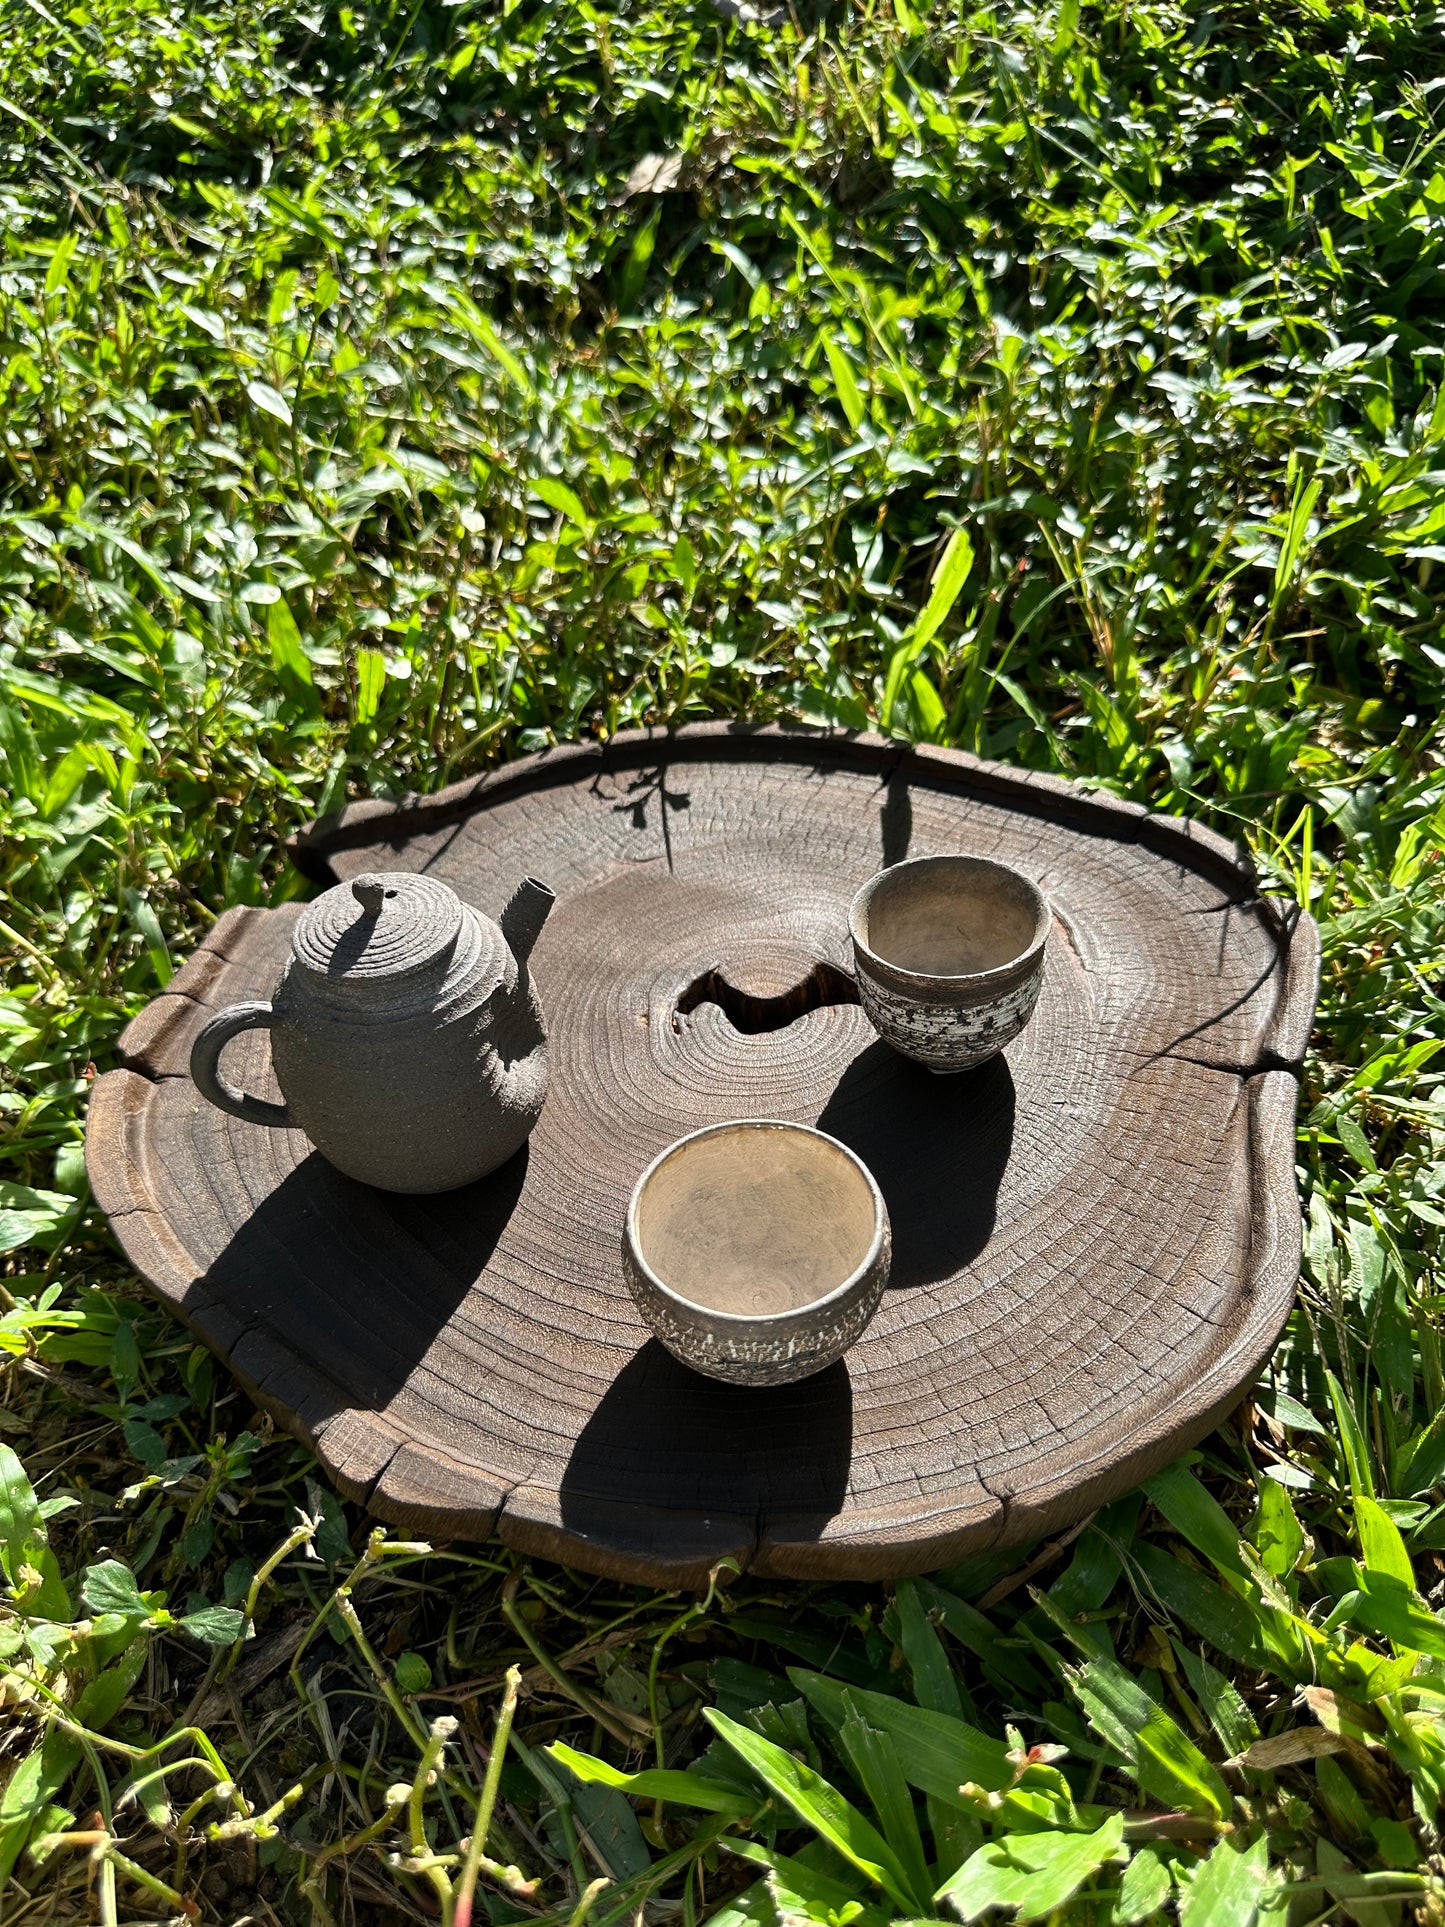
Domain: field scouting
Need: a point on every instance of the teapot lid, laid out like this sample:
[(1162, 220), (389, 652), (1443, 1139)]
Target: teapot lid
[(380, 926)]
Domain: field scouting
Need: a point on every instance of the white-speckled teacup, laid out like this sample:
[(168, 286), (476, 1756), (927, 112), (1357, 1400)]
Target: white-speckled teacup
[(757, 1251), (949, 956)]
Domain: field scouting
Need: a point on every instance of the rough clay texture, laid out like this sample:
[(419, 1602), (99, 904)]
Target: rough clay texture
[(795, 1348), (1096, 1235), (757, 1254), (948, 1037), (948, 954), (416, 1081)]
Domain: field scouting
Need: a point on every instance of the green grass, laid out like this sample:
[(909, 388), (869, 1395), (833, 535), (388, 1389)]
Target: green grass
[(385, 390)]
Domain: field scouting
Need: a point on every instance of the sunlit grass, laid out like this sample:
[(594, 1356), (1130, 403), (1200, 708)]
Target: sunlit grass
[(385, 391)]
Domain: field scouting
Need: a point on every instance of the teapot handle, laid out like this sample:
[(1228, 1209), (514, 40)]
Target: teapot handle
[(214, 1086)]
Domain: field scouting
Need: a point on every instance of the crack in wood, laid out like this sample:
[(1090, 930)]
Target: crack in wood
[(1268, 1060)]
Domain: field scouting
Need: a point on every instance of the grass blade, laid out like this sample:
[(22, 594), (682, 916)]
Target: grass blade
[(937, 1754), (1352, 1442), (952, 572), (1227, 1889), (1166, 1761), (934, 1685), (656, 1783), (819, 1806), (872, 1756), (1197, 1517)]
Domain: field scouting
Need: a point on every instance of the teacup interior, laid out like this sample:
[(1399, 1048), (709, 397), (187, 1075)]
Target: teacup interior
[(950, 917), (755, 1221)]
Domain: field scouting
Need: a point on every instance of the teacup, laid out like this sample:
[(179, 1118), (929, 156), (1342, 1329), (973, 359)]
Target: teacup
[(757, 1251), (948, 952)]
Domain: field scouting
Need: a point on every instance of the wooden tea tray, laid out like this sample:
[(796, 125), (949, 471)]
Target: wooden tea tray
[(1096, 1237)]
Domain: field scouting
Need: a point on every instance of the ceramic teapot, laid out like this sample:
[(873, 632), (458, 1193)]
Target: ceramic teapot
[(406, 1034)]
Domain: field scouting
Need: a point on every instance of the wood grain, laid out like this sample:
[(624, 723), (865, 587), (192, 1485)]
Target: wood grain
[(1096, 1236)]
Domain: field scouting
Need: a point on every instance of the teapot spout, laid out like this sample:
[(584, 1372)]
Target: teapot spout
[(526, 912)]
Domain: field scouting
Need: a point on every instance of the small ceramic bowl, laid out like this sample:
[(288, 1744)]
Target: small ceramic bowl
[(757, 1251), (949, 956)]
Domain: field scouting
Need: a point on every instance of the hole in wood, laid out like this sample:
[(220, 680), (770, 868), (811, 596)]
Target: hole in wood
[(824, 984)]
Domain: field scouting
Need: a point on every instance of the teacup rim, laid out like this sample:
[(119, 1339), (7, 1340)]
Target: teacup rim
[(1043, 921), (771, 1318)]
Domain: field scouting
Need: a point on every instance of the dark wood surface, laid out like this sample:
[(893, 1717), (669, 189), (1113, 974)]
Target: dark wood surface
[(1096, 1236)]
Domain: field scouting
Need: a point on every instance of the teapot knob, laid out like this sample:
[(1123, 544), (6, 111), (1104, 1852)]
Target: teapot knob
[(370, 892)]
